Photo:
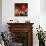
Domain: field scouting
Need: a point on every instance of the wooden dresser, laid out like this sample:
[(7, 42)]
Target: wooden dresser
[(22, 33)]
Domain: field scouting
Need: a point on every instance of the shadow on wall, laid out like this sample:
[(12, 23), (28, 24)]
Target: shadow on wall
[(0, 15)]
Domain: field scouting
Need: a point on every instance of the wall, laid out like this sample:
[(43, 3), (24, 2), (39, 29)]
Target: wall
[(43, 6), (43, 14), (0, 15), (8, 11), (35, 15)]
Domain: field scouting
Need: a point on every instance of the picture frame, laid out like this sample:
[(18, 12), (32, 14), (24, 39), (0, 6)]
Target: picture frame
[(21, 9)]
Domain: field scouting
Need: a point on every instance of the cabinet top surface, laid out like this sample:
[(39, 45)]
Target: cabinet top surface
[(19, 23)]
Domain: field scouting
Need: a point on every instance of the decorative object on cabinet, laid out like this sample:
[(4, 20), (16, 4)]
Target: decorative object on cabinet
[(14, 21), (27, 21)]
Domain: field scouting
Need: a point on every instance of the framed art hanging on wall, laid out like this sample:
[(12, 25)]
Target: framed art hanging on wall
[(21, 9)]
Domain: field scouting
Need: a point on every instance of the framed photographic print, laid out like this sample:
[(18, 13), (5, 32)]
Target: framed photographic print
[(21, 9)]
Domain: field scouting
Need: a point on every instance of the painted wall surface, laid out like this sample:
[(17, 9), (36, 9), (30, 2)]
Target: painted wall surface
[(43, 6), (0, 15), (8, 11), (34, 15)]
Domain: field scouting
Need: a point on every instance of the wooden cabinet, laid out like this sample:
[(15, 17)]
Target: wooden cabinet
[(22, 33)]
